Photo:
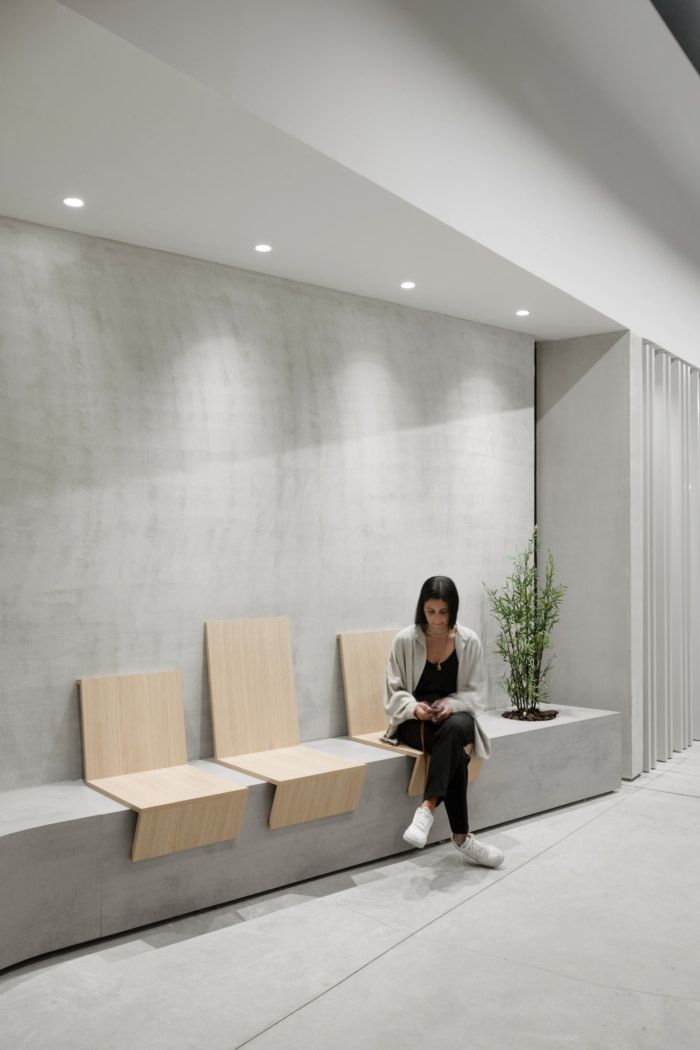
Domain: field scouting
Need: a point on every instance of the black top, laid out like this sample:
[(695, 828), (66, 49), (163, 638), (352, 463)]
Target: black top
[(437, 680)]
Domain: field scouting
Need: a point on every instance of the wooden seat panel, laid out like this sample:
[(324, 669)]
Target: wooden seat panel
[(256, 728), (251, 682), (288, 763), (135, 753), (132, 722), (162, 787)]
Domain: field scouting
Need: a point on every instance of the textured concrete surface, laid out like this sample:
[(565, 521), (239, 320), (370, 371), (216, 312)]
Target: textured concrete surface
[(589, 514), (584, 938), (181, 441), (72, 879), (537, 766)]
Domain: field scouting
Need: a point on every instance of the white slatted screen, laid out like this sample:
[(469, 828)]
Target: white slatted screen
[(671, 400)]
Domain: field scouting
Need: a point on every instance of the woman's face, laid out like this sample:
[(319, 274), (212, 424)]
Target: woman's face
[(437, 614)]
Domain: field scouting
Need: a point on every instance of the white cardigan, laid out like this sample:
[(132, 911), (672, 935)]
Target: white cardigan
[(406, 663)]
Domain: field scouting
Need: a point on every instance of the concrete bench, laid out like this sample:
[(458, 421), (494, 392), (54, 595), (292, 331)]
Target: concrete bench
[(66, 877), (256, 728), (134, 752)]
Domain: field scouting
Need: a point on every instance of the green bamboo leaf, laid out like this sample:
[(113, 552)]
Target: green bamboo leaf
[(526, 610)]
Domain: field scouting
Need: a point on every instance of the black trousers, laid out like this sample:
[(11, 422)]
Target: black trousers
[(447, 779)]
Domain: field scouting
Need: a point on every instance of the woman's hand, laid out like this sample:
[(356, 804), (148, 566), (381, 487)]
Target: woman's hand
[(442, 710), (436, 712)]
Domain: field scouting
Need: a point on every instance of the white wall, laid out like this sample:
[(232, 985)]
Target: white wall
[(555, 133), (181, 441)]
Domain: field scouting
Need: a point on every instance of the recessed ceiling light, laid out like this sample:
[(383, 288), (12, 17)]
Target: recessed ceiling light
[(73, 202), (263, 248), (408, 284), (522, 313)]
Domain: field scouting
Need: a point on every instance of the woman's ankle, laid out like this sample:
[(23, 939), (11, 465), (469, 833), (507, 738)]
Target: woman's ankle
[(459, 839)]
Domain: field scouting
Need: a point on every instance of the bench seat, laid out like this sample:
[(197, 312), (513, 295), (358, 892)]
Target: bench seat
[(134, 752), (295, 772), (179, 808), (256, 726), (66, 877)]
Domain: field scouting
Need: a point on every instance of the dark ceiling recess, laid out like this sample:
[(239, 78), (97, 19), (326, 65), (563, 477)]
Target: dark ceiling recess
[(683, 19)]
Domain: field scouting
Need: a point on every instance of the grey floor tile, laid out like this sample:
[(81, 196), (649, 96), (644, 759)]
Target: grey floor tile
[(447, 995), (604, 906), (683, 780), (214, 991)]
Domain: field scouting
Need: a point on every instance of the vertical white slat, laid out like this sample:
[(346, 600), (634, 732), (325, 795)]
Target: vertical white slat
[(661, 556), (685, 575), (694, 567), (649, 689), (675, 551), (671, 554)]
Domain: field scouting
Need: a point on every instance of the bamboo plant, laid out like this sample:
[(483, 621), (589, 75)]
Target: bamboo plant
[(526, 609)]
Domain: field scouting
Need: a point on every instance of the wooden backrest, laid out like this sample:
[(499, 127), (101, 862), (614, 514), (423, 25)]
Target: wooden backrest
[(363, 657), (131, 723), (251, 682)]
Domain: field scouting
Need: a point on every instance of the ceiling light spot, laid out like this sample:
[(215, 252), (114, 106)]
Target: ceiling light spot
[(408, 284), (522, 313), (73, 202), (263, 247)]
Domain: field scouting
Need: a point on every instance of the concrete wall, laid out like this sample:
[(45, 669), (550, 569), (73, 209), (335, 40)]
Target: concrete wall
[(180, 441), (589, 510)]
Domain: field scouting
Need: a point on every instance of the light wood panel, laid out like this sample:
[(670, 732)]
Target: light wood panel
[(189, 825), (288, 763), (178, 808), (256, 731), (305, 789), (310, 798), (135, 753), (132, 723), (164, 787), (363, 659), (309, 784), (251, 681)]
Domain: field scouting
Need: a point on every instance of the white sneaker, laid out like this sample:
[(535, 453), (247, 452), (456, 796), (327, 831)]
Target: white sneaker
[(416, 834), (479, 852)]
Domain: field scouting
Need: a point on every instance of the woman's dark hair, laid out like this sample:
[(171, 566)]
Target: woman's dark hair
[(442, 589)]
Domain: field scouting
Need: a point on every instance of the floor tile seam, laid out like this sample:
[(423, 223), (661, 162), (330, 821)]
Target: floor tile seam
[(324, 991), (465, 949), (665, 791), (673, 764), (417, 932)]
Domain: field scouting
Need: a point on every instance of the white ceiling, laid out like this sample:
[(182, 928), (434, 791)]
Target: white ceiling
[(165, 162)]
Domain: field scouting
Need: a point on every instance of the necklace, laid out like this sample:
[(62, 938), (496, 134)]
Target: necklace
[(440, 634)]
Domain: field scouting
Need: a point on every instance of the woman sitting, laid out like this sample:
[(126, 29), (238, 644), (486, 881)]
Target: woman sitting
[(434, 692)]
